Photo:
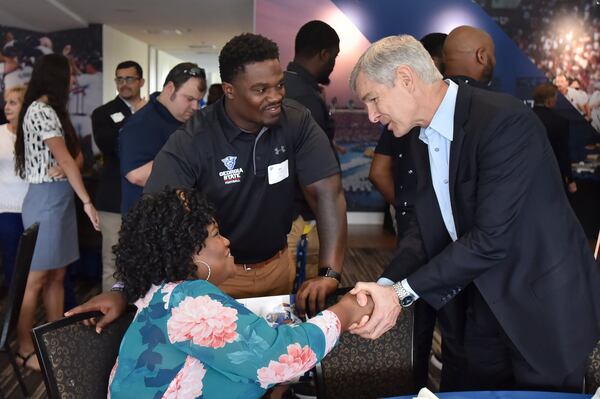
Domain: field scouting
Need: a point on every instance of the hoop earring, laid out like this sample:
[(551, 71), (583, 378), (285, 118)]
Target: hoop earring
[(207, 266)]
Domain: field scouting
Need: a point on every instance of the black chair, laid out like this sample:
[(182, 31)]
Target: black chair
[(592, 375), (361, 368), (76, 362), (16, 291)]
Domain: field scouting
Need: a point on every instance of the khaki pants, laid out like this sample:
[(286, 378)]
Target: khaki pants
[(312, 254), (274, 278), (110, 224)]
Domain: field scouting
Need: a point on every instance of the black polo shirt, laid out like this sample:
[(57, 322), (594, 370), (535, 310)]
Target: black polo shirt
[(249, 178)]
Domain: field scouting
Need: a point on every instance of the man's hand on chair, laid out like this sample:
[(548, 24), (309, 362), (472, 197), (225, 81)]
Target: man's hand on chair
[(112, 304), (385, 313), (312, 294)]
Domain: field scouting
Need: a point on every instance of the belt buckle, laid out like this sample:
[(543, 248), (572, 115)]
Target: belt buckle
[(246, 267)]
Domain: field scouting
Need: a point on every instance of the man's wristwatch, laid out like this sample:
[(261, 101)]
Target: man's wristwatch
[(405, 297), (329, 272)]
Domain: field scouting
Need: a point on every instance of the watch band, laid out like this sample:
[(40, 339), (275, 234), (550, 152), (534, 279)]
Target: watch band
[(405, 298), (329, 272)]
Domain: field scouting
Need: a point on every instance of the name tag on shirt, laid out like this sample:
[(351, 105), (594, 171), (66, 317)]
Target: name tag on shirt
[(278, 172), (117, 117)]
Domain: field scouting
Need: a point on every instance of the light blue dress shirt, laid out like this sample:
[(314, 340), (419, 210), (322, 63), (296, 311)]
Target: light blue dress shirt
[(438, 137)]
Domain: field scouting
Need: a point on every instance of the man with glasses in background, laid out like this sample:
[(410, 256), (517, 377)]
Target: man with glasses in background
[(148, 130), (107, 120)]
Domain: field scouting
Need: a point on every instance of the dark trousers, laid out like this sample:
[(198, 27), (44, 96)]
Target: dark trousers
[(11, 228), (492, 362), (451, 322), (424, 324)]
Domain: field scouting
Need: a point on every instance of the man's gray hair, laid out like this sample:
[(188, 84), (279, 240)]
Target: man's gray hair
[(381, 59)]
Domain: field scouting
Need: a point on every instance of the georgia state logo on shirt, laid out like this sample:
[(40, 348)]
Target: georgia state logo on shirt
[(231, 175)]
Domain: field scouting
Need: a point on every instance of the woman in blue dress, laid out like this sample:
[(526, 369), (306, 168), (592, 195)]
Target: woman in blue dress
[(188, 338)]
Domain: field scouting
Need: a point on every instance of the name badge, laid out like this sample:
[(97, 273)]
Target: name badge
[(278, 172), (117, 117)]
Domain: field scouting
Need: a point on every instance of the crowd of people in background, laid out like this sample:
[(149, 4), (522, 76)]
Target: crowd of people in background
[(562, 38)]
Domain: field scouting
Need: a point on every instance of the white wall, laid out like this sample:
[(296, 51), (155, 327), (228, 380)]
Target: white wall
[(118, 47), (208, 61), (164, 63)]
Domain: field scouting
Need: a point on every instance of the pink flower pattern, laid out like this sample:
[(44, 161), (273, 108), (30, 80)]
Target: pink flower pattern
[(167, 289), (330, 324), (111, 376), (145, 300), (187, 384), (204, 321), (296, 362)]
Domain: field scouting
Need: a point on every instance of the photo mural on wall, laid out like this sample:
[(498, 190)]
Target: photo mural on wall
[(19, 49), (532, 47)]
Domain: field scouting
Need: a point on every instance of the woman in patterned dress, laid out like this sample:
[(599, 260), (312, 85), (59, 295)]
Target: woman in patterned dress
[(46, 139), (189, 339)]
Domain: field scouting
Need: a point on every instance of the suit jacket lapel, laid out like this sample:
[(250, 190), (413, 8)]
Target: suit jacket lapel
[(461, 111), (420, 158), (122, 106)]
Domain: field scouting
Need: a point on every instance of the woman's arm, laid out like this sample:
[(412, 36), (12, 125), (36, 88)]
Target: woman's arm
[(222, 333), (60, 152)]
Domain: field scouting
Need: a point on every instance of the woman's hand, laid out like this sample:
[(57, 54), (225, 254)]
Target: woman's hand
[(352, 313), (56, 172), (90, 211)]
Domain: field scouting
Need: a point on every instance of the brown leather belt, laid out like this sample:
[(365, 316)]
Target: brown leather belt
[(258, 265)]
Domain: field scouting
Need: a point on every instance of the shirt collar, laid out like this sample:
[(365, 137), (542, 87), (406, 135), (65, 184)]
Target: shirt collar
[(229, 128), (298, 70), (161, 109), (444, 113)]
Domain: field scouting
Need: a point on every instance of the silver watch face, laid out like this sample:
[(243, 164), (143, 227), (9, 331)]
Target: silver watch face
[(407, 301)]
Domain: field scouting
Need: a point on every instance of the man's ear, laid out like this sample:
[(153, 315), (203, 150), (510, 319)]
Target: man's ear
[(324, 55), (169, 89), (481, 56), (142, 81), (228, 90), (404, 77)]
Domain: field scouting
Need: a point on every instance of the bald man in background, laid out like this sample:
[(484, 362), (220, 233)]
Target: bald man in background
[(469, 56)]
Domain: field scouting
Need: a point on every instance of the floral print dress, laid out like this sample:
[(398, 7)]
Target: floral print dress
[(191, 340)]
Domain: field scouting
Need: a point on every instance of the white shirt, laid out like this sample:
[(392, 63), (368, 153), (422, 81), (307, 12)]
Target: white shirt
[(13, 187), (40, 123)]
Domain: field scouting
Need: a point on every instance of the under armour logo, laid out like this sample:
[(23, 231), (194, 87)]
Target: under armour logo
[(279, 150)]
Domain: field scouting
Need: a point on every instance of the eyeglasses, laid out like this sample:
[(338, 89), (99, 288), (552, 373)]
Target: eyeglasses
[(127, 79), (195, 72)]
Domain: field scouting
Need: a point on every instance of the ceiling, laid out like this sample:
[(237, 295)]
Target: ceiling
[(179, 27)]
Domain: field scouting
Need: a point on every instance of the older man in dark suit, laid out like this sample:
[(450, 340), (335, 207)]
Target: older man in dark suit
[(486, 171), (107, 120)]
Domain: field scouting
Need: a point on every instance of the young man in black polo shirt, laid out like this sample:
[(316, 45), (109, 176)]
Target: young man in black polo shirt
[(246, 152), (315, 50)]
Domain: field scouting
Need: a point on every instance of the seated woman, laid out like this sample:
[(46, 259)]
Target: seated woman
[(188, 338)]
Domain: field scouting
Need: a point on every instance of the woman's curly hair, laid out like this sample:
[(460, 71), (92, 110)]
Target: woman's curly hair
[(159, 237)]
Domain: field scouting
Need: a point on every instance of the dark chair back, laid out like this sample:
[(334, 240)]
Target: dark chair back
[(76, 362), (361, 368), (18, 282), (14, 300), (592, 374)]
